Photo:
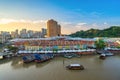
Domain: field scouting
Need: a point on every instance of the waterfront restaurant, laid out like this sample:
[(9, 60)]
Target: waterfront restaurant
[(58, 44)]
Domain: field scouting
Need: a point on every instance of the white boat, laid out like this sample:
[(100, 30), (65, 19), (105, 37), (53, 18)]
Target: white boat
[(75, 67), (107, 53), (1, 57)]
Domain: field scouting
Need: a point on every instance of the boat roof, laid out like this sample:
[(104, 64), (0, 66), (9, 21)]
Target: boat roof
[(102, 54), (74, 64)]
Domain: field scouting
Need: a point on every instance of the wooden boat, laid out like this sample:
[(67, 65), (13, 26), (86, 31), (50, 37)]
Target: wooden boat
[(102, 56), (75, 67)]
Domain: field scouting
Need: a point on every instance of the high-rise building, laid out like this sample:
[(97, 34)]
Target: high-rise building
[(23, 33), (53, 28), (4, 36), (44, 31), (14, 34), (30, 34), (59, 30)]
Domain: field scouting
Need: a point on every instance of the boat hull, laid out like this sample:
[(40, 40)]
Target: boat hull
[(75, 67)]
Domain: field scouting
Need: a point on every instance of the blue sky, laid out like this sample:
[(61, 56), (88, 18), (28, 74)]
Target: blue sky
[(83, 13)]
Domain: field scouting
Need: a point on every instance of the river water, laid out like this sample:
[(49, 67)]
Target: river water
[(95, 69)]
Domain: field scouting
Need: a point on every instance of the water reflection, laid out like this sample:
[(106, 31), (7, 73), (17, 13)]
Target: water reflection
[(95, 69), (4, 61), (17, 63)]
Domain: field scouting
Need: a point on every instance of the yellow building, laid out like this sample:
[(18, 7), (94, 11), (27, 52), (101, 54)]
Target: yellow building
[(53, 28)]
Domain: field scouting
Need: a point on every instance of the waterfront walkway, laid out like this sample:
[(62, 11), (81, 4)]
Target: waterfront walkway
[(59, 51)]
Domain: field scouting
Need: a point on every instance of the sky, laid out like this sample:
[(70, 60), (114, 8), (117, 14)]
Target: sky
[(72, 15)]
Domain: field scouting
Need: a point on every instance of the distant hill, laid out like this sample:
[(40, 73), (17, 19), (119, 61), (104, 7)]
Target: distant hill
[(113, 31)]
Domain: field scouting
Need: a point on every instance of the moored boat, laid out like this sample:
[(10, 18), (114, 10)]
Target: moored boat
[(75, 67), (28, 58), (68, 56), (42, 57), (108, 53), (102, 56)]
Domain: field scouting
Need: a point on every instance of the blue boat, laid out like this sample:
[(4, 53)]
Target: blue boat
[(43, 57), (28, 58)]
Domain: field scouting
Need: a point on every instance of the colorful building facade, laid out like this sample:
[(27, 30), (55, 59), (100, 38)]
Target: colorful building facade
[(60, 43)]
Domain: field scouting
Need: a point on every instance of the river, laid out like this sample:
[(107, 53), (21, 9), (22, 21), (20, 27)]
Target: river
[(95, 69)]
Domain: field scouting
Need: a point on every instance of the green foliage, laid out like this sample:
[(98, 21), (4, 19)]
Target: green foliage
[(118, 47), (12, 49), (55, 50), (100, 44), (113, 31)]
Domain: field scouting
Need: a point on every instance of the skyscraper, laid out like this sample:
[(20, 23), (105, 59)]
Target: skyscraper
[(53, 28)]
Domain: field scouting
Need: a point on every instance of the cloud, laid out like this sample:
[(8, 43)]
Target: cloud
[(80, 24), (36, 25), (95, 25), (66, 23), (6, 21), (68, 27), (40, 21), (13, 24), (95, 14), (105, 23)]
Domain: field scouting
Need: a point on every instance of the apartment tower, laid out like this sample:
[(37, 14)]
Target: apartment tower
[(53, 28)]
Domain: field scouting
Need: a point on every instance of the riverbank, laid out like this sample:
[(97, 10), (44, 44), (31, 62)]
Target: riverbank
[(82, 53)]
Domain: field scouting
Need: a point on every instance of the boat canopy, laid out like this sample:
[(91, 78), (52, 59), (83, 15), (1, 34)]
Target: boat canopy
[(74, 64)]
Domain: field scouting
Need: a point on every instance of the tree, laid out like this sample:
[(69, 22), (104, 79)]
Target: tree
[(113, 31), (12, 49), (55, 50), (100, 44), (118, 47)]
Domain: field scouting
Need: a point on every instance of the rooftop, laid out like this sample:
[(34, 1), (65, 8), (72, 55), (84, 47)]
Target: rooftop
[(54, 38)]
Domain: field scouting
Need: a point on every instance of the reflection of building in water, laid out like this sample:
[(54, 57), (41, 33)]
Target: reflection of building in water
[(5, 61), (41, 64), (17, 63)]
